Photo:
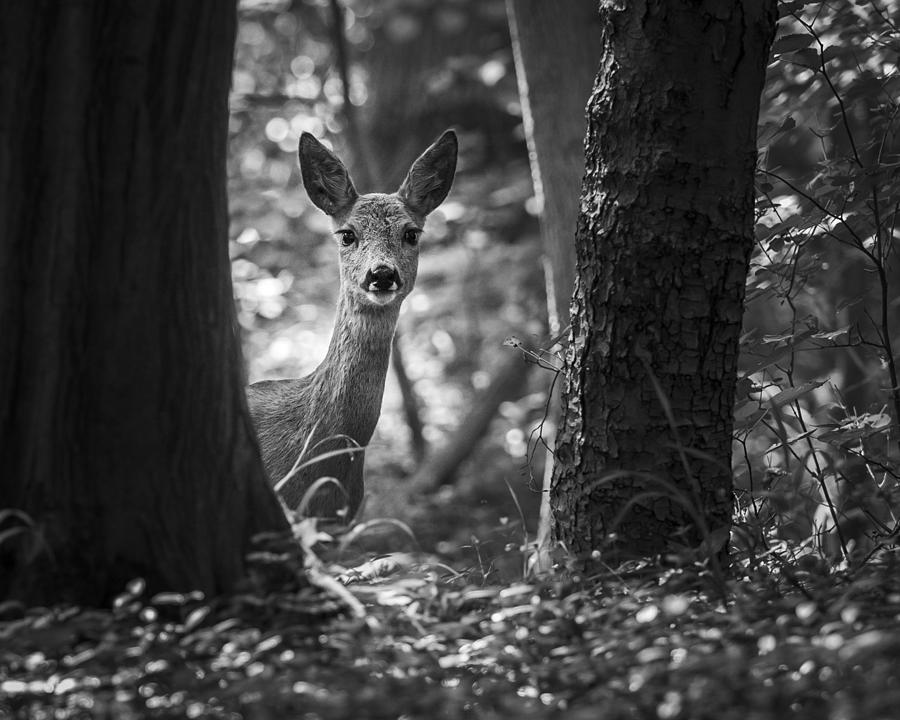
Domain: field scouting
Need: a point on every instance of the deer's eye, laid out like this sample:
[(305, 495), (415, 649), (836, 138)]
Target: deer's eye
[(347, 237), (411, 236)]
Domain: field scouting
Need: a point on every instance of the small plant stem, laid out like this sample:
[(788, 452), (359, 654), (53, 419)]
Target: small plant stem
[(880, 254), (819, 476), (837, 96)]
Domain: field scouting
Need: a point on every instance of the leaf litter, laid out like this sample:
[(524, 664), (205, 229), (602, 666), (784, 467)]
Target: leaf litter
[(643, 640)]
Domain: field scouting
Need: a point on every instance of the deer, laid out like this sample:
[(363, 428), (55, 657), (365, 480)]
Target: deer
[(318, 426)]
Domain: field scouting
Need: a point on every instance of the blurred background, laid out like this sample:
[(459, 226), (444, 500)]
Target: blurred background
[(457, 452), (413, 69)]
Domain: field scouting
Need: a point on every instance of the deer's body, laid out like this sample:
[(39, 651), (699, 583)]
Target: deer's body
[(337, 406), (340, 399)]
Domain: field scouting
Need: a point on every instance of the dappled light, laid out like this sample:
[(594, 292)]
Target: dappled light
[(637, 451), (285, 259)]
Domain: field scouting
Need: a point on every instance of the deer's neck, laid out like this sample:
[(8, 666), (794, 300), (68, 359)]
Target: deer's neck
[(350, 380)]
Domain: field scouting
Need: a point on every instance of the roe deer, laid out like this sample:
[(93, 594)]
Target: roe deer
[(338, 404)]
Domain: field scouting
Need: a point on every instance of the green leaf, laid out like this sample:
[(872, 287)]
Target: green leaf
[(790, 337), (791, 394), (833, 335), (769, 131), (790, 43), (806, 57), (778, 355), (845, 435), (787, 442), (789, 8), (748, 422), (830, 53)]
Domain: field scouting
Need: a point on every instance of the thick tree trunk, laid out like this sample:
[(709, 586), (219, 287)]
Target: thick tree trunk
[(662, 247), (125, 432)]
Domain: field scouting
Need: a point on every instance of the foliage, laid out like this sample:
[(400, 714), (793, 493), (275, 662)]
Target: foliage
[(815, 436), (819, 400)]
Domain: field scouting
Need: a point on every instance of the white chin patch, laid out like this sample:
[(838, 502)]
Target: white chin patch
[(382, 297)]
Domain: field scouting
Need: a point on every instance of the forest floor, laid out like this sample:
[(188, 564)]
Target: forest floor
[(408, 636)]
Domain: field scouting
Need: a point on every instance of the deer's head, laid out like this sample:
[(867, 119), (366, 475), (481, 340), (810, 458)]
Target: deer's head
[(378, 234)]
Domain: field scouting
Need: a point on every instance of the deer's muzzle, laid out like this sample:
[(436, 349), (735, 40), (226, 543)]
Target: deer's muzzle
[(382, 279)]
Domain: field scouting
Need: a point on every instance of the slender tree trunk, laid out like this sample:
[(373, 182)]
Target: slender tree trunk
[(414, 96), (662, 246), (125, 432), (547, 37), (508, 381), (406, 111), (367, 171)]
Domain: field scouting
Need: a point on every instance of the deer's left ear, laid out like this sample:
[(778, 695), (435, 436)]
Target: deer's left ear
[(431, 175)]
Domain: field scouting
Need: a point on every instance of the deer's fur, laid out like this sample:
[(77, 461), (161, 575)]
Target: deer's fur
[(338, 404)]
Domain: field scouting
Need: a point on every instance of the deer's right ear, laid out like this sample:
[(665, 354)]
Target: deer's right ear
[(325, 178)]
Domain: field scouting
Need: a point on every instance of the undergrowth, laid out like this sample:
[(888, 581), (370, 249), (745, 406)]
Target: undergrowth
[(406, 636), (818, 397)]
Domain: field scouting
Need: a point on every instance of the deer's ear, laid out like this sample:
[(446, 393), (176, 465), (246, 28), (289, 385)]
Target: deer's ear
[(431, 175), (325, 178)]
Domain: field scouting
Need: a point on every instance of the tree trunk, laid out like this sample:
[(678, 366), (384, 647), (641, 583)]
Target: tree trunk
[(546, 37), (662, 247), (126, 437), (409, 105), (419, 86), (508, 382), (367, 172)]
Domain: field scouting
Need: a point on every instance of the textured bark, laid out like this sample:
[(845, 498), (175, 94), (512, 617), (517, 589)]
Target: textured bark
[(125, 432), (662, 246)]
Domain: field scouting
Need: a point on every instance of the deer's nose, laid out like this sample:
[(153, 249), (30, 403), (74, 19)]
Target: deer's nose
[(383, 279)]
